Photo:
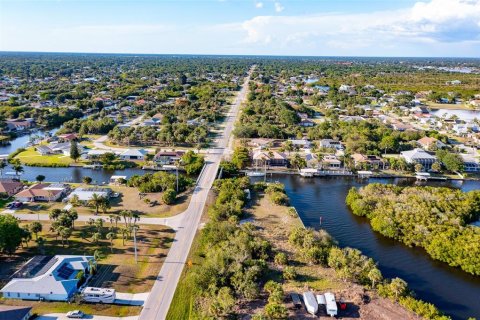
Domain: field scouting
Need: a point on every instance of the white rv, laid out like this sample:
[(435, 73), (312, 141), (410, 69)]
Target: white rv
[(98, 295), (332, 309), (310, 302)]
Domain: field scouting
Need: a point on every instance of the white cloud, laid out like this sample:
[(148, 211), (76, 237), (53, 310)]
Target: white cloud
[(259, 5), (436, 21), (279, 7)]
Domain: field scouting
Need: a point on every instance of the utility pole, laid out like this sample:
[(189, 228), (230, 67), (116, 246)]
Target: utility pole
[(135, 242)]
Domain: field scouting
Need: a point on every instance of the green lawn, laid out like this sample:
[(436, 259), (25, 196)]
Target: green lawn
[(32, 157), (184, 298)]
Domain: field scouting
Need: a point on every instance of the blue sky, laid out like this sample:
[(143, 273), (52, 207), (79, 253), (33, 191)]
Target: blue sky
[(267, 27)]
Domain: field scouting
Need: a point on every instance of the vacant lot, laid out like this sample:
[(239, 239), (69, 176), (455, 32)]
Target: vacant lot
[(117, 267), (32, 157), (129, 199)]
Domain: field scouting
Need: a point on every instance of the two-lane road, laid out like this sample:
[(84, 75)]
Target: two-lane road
[(158, 302)]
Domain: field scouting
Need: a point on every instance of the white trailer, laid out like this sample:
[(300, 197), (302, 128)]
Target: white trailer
[(310, 302), (98, 295), (332, 308)]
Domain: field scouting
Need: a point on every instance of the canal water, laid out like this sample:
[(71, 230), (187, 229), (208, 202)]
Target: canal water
[(466, 115), (455, 292)]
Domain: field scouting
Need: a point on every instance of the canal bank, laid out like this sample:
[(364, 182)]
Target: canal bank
[(453, 291)]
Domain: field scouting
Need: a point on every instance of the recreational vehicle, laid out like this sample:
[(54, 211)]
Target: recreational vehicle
[(98, 295), (310, 302), (332, 309)]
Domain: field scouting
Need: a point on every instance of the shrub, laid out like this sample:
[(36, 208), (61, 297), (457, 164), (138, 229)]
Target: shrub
[(169, 196), (289, 273), (281, 259)]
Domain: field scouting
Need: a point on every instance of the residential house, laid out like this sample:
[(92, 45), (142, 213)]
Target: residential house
[(58, 148), (15, 312), (49, 278), (419, 156), (470, 162), (10, 187), (429, 143), (168, 157), (270, 159), (331, 162), (262, 143), (43, 192), (302, 143), (19, 124), (87, 194), (331, 144), (306, 123), (68, 137), (133, 154), (367, 161)]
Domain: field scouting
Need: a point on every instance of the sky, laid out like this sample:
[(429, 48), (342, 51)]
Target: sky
[(432, 28)]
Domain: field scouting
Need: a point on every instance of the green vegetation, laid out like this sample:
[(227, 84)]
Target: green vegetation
[(192, 162), (435, 219), (11, 234), (159, 181), (30, 157)]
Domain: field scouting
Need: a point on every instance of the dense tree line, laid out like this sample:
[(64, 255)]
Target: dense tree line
[(159, 181), (433, 218)]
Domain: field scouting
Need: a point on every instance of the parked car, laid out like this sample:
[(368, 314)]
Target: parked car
[(75, 314)]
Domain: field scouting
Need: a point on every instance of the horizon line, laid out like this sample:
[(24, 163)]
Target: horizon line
[(235, 55)]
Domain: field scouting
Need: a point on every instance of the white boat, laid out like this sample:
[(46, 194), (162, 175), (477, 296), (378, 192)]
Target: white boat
[(332, 308), (310, 302), (255, 173), (98, 295)]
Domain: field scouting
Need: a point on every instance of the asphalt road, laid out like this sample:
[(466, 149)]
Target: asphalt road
[(185, 224), (158, 302)]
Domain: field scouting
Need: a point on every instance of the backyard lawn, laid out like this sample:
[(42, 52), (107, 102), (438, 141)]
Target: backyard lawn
[(32, 157)]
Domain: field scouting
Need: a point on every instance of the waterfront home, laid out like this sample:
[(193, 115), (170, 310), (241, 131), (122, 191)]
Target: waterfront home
[(133, 154), (420, 156), (117, 180), (331, 144), (367, 161), (168, 157), (49, 278), (15, 312), (67, 137), (270, 159), (429, 143), (58, 148), (470, 163), (86, 194), (331, 162), (10, 186), (19, 124), (43, 192)]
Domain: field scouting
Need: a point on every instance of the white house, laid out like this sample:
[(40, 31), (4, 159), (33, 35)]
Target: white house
[(42, 192), (331, 144), (133, 154), (86, 194), (419, 156), (48, 278)]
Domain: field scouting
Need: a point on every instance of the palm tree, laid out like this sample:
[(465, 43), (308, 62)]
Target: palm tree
[(3, 165), (125, 233), (41, 245), (126, 214), (73, 215), (96, 236), (96, 202), (65, 233), (17, 167), (111, 236), (105, 205), (54, 214)]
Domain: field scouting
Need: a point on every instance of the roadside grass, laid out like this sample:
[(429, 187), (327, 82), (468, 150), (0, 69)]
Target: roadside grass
[(184, 297), (32, 157), (3, 202), (117, 269)]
